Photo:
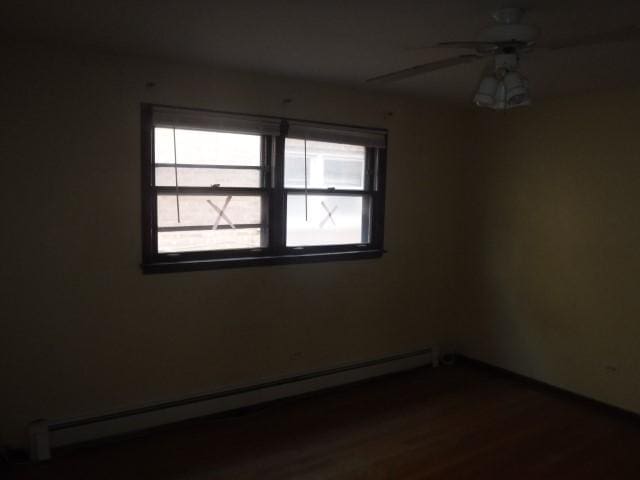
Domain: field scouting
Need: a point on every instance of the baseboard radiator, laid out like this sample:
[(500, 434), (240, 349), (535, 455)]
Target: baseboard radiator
[(46, 435)]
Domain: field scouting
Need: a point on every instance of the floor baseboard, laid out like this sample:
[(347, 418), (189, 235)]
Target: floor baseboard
[(67, 432)]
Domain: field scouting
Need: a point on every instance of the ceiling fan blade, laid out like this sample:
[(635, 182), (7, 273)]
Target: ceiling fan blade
[(627, 34), (472, 45), (468, 45), (425, 68)]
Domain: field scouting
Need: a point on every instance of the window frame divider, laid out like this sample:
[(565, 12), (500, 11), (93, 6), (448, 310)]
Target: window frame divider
[(328, 192), (183, 191), (207, 165)]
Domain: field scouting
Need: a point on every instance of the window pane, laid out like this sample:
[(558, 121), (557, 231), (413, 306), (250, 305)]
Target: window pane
[(203, 147), (328, 165), (209, 222), (330, 220), (205, 240), (205, 209), (205, 177)]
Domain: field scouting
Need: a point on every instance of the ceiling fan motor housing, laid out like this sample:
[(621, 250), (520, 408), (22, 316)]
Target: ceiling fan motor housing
[(518, 32), (508, 15)]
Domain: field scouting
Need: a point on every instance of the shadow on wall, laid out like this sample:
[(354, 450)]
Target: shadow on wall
[(556, 262)]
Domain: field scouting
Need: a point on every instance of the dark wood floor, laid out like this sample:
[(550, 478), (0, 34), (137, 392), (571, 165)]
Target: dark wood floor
[(461, 422)]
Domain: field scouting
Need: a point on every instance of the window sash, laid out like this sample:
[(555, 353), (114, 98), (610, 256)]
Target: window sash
[(219, 221), (367, 214), (370, 179), (167, 190), (331, 191), (217, 190), (209, 165)]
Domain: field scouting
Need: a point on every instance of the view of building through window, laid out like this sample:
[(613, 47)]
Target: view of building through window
[(328, 165)]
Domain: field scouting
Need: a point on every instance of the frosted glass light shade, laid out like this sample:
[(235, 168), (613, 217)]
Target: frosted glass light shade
[(515, 89), (485, 96)]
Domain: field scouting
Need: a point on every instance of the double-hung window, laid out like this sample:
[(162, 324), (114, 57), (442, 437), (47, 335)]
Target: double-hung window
[(222, 189)]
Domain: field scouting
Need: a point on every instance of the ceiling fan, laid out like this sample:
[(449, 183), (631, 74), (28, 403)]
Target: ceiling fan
[(507, 40)]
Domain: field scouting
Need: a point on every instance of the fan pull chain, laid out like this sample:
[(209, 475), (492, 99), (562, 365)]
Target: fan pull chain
[(175, 171), (306, 196)]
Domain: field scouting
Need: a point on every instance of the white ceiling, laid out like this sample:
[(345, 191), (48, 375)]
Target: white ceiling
[(338, 41)]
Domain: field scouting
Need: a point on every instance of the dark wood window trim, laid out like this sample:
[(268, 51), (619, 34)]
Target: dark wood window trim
[(274, 208)]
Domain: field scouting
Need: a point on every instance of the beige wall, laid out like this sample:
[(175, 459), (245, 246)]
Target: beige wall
[(525, 225), (555, 230), (84, 331)]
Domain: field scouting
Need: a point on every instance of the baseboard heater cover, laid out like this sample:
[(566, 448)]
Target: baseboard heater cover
[(60, 433)]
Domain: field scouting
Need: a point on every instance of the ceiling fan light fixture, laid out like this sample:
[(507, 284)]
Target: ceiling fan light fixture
[(500, 102), (507, 40), (516, 89), (486, 94)]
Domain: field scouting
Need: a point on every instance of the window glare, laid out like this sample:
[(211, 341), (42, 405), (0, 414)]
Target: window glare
[(202, 147), (208, 222), (325, 220), (203, 240), (205, 177)]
